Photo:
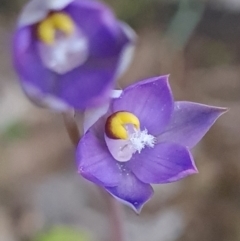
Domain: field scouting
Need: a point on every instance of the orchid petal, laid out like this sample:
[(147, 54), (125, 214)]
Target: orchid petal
[(36, 10), (95, 163), (190, 122), (128, 51), (131, 191), (150, 100), (45, 100), (165, 162), (28, 63)]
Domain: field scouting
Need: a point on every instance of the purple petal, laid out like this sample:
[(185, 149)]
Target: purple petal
[(190, 122), (36, 10), (150, 100), (165, 162), (28, 63), (87, 86), (45, 100), (131, 191), (128, 51), (90, 84), (98, 22), (95, 163)]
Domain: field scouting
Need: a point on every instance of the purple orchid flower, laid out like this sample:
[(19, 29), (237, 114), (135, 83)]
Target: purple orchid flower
[(143, 139), (68, 53)]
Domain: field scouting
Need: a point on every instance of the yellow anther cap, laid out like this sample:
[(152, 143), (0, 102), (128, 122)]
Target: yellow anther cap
[(46, 31), (63, 22), (115, 124), (57, 21)]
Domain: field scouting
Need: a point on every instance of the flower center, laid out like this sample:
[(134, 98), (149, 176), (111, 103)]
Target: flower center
[(124, 136), (46, 29), (62, 46), (115, 126), (140, 139)]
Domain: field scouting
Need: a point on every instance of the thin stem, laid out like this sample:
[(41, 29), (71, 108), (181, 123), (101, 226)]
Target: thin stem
[(115, 218), (71, 126)]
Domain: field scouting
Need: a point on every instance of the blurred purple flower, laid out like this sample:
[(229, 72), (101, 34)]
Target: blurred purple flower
[(68, 53), (143, 139)]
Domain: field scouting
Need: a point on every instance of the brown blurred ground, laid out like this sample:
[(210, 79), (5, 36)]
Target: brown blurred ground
[(39, 186)]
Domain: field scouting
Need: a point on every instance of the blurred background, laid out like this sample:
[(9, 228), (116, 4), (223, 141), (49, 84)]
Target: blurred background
[(41, 196)]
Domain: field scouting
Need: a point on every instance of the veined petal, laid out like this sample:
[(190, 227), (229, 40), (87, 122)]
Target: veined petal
[(150, 100), (131, 191), (165, 162), (36, 10), (190, 122), (95, 163)]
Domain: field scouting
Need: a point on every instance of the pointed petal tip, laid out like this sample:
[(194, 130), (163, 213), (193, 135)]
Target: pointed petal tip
[(190, 122), (135, 205), (191, 170), (220, 110), (223, 110), (137, 208), (163, 78)]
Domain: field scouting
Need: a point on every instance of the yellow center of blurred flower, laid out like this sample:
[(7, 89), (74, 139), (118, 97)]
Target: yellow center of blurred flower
[(116, 124), (47, 28)]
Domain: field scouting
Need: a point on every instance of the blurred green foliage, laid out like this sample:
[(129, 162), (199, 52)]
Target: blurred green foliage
[(62, 233), (15, 130)]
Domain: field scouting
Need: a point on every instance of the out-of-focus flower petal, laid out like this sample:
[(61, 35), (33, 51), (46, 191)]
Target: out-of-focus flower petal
[(102, 29), (150, 100), (28, 63), (95, 163), (190, 122), (131, 191), (86, 87), (128, 51), (37, 10), (43, 100), (166, 162)]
